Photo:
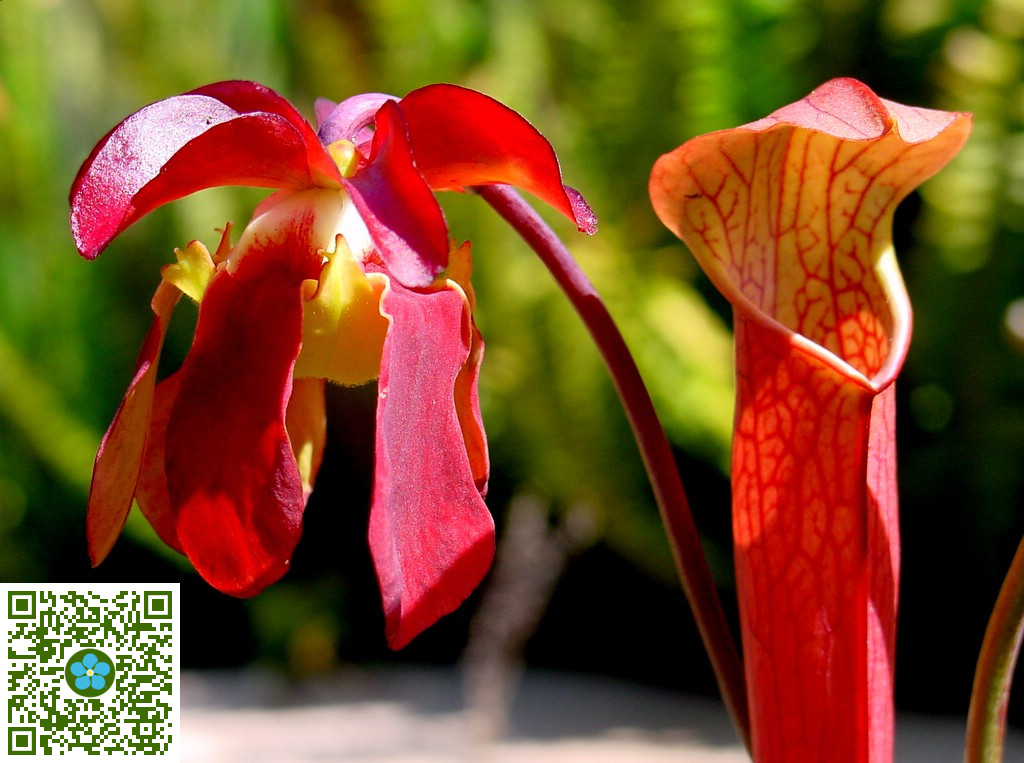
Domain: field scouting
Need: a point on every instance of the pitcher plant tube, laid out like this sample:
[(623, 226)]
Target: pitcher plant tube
[(791, 218), (345, 274)]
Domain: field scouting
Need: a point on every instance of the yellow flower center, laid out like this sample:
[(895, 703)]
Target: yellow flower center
[(342, 327), (343, 330), (344, 154), (193, 270)]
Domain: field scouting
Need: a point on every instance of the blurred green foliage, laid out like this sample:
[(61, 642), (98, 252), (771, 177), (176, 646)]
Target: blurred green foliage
[(613, 84)]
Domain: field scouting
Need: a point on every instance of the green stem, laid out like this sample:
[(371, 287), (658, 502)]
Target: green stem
[(986, 720), (655, 450)]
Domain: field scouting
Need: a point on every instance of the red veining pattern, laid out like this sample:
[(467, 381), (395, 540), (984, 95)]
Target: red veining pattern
[(793, 222), (805, 542), (791, 218)]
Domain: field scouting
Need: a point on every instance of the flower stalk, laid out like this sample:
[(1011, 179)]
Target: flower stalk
[(990, 696), (655, 449)]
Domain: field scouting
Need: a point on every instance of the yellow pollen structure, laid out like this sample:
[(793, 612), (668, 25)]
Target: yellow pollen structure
[(342, 328), (193, 270), (344, 154)]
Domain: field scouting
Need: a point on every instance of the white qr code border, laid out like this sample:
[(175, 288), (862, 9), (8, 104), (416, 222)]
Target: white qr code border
[(66, 630)]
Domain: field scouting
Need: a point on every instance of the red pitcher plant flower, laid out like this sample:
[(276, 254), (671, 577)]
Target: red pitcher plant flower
[(791, 218), (345, 274)]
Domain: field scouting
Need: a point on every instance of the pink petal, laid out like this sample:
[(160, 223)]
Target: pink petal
[(231, 473), (431, 536), (461, 138), (224, 134), (352, 119), (119, 459), (398, 208), (322, 108)]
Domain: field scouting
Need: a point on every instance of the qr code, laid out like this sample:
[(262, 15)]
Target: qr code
[(91, 670)]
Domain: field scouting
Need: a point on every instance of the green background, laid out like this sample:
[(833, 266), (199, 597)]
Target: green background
[(613, 84)]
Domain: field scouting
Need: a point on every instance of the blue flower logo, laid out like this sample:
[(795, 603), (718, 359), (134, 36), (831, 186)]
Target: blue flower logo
[(89, 673)]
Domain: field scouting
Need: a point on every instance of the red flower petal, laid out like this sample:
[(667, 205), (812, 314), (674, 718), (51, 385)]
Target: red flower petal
[(431, 536), (119, 459), (398, 208), (305, 420), (231, 473), (247, 97), (467, 402), (151, 492), (462, 138), (224, 134)]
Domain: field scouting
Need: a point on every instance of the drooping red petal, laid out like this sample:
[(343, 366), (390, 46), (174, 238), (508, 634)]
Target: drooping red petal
[(231, 133), (431, 536), (461, 138), (791, 218), (151, 492), (398, 207), (119, 459), (231, 474), (467, 402), (248, 97)]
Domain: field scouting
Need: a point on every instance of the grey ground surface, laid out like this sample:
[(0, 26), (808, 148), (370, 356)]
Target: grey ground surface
[(418, 714)]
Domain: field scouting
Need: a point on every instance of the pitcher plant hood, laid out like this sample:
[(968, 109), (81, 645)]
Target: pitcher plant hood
[(791, 218)]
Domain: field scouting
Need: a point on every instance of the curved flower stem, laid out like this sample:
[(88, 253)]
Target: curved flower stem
[(650, 437), (986, 720)]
